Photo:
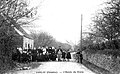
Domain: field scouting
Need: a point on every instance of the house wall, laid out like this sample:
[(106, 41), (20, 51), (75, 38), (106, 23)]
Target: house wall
[(28, 43)]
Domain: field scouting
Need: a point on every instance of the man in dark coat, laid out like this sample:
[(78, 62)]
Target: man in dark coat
[(34, 55), (78, 56), (40, 51), (59, 49), (81, 57), (40, 54)]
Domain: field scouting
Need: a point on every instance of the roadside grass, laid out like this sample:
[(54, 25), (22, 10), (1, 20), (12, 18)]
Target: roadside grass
[(95, 68), (23, 66)]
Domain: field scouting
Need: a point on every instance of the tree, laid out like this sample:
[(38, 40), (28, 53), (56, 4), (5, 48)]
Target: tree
[(13, 14), (106, 23), (45, 39), (42, 39)]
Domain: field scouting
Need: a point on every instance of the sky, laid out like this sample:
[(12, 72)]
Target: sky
[(62, 18)]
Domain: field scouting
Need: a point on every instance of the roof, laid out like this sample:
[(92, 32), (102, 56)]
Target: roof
[(18, 28), (22, 32)]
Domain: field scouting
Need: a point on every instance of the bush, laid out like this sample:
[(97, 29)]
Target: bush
[(6, 64), (104, 59)]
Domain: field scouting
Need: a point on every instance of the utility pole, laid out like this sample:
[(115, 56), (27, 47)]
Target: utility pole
[(81, 33)]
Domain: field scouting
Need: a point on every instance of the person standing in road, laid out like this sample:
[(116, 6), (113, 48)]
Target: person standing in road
[(68, 56), (63, 55), (81, 57), (78, 57), (59, 53)]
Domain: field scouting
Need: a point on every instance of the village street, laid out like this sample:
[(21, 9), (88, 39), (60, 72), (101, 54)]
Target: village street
[(57, 68)]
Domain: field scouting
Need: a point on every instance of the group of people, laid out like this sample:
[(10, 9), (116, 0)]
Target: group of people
[(62, 55), (45, 54), (42, 54)]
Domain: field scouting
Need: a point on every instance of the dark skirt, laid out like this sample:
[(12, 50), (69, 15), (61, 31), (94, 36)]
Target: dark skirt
[(68, 56), (63, 55)]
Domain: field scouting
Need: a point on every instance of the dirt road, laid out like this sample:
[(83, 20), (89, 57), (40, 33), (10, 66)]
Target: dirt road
[(57, 68)]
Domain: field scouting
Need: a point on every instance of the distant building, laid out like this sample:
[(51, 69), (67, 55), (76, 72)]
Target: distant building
[(25, 40)]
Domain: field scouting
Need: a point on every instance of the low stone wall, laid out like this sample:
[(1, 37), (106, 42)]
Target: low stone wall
[(108, 62)]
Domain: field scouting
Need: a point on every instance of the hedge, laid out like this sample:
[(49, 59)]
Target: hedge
[(104, 59)]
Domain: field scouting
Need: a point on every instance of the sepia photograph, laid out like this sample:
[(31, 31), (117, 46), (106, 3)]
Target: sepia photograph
[(59, 36)]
